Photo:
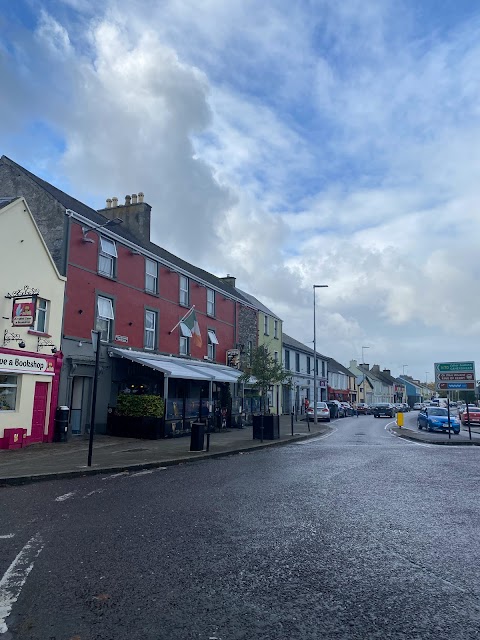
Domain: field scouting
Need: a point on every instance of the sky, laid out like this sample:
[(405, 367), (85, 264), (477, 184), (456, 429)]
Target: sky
[(285, 143)]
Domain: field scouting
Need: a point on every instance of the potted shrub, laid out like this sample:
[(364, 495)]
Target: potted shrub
[(138, 416)]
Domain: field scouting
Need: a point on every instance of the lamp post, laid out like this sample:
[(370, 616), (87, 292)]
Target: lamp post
[(363, 369), (315, 286), (96, 349), (426, 375)]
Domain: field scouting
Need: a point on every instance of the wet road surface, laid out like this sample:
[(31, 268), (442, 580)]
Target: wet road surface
[(358, 534)]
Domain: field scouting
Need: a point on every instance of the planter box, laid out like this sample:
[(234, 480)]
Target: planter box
[(134, 427), (271, 427)]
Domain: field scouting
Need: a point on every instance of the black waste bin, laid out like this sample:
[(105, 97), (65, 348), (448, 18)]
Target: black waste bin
[(61, 424), (197, 436)]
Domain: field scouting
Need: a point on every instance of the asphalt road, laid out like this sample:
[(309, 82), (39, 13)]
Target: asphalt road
[(358, 534)]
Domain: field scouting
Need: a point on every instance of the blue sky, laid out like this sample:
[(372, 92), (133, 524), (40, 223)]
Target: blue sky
[(291, 143)]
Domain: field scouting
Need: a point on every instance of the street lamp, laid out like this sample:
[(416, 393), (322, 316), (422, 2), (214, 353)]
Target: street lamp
[(363, 369), (426, 375), (96, 348), (315, 286)]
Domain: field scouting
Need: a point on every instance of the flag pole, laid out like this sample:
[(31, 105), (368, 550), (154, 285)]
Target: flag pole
[(182, 319)]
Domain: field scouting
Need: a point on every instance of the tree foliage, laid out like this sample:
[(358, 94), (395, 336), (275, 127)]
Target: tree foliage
[(265, 371)]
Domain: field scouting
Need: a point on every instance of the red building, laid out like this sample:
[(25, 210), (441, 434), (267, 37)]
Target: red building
[(137, 295)]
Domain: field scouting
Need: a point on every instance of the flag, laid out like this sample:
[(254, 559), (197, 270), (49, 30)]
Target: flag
[(191, 322)]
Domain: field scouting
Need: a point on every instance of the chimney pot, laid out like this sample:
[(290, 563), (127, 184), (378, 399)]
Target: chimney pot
[(109, 203), (114, 201), (127, 200), (140, 196), (134, 198)]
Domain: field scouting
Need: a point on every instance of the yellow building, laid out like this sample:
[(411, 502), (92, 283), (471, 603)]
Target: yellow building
[(31, 301)]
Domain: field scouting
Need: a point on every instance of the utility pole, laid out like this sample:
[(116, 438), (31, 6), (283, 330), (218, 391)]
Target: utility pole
[(315, 286), (363, 370)]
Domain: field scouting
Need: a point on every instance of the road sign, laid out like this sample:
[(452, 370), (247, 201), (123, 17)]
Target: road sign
[(455, 366), (456, 385), (454, 375)]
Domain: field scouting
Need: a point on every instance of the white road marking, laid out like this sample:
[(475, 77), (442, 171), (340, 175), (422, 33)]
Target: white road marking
[(7, 536), (15, 576), (94, 491), (142, 473), (419, 444), (65, 496), (312, 440), (116, 475)]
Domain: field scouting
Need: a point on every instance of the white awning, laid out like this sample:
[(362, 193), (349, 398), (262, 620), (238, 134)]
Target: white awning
[(174, 367)]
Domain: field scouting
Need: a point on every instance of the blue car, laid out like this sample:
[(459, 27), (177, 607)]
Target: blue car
[(436, 419)]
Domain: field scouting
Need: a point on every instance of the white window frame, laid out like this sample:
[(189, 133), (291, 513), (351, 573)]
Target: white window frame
[(265, 325), (107, 316), (210, 302), (41, 312), (184, 293), (151, 276), (184, 346), (275, 329), (212, 342), (298, 363), (150, 332), (9, 385), (108, 255)]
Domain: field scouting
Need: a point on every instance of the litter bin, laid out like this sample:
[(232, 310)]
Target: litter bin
[(197, 436), (61, 424)]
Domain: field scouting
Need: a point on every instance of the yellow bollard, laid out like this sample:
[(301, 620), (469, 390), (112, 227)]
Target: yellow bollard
[(400, 419)]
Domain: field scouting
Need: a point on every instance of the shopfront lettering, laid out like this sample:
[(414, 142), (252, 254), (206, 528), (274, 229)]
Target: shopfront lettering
[(26, 365)]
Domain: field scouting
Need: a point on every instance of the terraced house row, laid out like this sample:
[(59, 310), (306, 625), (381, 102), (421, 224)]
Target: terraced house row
[(167, 328)]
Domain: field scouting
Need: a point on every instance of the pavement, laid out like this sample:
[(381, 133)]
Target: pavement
[(116, 455)]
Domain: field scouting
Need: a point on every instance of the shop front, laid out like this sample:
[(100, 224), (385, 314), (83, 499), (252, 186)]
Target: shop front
[(28, 397), (190, 389), (342, 395)]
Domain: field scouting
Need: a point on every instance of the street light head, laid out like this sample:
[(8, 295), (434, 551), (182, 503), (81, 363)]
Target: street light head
[(320, 286)]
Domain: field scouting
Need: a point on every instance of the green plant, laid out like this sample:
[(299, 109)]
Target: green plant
[(265, 371), (140, 406)]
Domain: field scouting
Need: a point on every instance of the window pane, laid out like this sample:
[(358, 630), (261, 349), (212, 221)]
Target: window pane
[(108, 247), (8, 397), (150, 283), (103, 325), (149, 319), (105, 308), (105, 265), (184, 346), (211, 351), (151, 267)]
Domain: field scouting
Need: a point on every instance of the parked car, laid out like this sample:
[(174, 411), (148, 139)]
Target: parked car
[(400, 407), (417, 406), (323, 412), (463, 407), (383, 409), (336, 409), (436, 419), (362, 407), (473, 414), (406, 406), (347, 407)]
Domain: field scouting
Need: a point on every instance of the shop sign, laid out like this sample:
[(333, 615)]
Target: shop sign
[(25, 364), (121, 338), (233, 358), (23, 312)]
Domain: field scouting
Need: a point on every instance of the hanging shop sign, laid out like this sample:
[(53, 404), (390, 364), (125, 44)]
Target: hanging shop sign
[(233, 358), (23, 312)]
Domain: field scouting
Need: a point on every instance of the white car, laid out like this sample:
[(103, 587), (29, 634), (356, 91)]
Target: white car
[(417, 406), (323, 412)]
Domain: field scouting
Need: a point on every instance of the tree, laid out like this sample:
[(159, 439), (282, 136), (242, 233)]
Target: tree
[(265, 371)]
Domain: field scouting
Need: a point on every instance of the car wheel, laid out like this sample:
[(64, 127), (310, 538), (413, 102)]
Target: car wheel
[(419, 426)]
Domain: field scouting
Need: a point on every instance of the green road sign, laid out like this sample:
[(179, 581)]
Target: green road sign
[(454, 366)]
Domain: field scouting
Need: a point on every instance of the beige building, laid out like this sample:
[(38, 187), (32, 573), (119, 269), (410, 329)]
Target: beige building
[(31, 305)]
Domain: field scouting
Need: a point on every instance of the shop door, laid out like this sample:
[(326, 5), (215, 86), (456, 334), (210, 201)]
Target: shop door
[(78, 406), (39, 411)]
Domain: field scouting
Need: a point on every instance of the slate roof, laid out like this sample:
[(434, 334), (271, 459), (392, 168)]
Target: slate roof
[(257, 304), (288, 341), (6, 201), (91, 214), (336, 367)]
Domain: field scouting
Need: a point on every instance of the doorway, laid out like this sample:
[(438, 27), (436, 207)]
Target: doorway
[(79, 405), (39, 411)]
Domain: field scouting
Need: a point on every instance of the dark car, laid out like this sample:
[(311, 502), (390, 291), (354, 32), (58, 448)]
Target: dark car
[(383, 409), (336, 409), (362, 407)]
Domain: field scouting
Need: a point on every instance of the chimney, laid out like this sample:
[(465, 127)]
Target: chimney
[(375, 368), (136, 215), (109, 203), (228, 279), (364, 366), (353, 364), (387, 371)]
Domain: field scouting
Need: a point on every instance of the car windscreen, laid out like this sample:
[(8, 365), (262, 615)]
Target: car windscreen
[(437, 412)]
